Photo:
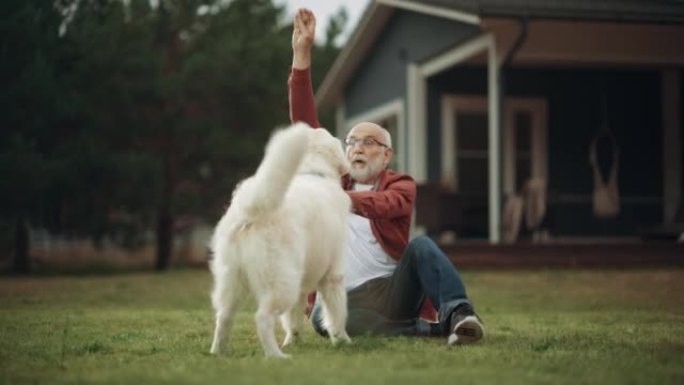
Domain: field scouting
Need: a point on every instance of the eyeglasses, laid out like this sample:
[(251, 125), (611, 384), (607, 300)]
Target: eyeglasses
[(365, 142)]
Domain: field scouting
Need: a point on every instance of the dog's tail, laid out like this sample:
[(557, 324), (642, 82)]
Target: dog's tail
[(284, 153)]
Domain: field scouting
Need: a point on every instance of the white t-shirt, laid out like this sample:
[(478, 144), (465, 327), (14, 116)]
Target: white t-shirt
[(364, 257)]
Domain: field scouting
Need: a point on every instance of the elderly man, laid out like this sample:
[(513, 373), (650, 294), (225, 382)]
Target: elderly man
[(392, 284)]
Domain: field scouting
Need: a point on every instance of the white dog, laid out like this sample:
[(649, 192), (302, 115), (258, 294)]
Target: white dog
[(283, 237)]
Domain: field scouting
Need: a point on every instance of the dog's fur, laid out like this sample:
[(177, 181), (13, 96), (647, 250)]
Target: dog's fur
[(283, 237)]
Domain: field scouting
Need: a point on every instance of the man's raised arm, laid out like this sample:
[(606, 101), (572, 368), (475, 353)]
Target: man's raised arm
[(301, 97)]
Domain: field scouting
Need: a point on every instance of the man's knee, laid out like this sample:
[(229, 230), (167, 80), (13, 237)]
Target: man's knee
[(422, 247)]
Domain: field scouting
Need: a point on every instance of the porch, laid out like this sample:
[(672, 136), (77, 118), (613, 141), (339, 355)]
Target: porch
[(590, 254)]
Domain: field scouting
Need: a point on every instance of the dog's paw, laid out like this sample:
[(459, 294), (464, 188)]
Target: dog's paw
[(278, 355), (215, 349), (342, 337)]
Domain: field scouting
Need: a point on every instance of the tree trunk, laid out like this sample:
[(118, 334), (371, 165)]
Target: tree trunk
[(21, 263), (165, 217), (170, 40), (164, 239)]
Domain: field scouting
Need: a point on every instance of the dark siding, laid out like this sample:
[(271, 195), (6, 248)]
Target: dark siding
[(407, 38), (575, 114), (681, 133)]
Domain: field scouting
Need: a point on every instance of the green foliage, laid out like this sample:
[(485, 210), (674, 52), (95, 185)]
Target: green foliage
[(29, 74), (336, 26), (194, 92), (116, 114), (32, 106), (546, 327)]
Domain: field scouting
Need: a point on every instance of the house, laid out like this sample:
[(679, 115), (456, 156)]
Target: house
[(483, 96)]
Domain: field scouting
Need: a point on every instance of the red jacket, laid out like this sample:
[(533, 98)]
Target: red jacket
[(389, 207)]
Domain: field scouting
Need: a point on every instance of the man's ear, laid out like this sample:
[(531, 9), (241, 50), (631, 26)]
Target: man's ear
[(389, 152)]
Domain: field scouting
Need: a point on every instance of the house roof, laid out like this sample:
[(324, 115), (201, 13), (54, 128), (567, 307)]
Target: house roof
[(613, 10), (379, 12)]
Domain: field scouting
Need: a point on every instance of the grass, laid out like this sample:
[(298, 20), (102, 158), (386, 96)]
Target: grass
[(547, 326)]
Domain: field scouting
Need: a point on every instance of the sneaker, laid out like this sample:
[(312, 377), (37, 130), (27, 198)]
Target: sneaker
[(466, 326)]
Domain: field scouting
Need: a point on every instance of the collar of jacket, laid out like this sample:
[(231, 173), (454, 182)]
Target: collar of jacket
[(348, 182)]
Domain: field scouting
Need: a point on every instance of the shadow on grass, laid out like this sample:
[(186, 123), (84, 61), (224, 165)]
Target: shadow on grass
[(311, 346)]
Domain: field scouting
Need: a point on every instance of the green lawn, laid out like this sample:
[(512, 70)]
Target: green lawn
[(546, 327)]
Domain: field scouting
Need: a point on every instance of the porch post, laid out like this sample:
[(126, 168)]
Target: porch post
[(494, 147), (417, 141)]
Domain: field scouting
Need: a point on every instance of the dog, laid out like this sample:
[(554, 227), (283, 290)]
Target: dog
[(283, 237)]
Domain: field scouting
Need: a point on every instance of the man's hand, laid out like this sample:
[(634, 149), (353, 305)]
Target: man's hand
[(303, 38)]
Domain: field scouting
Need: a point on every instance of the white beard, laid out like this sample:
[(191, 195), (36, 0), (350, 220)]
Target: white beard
[(366, 173)]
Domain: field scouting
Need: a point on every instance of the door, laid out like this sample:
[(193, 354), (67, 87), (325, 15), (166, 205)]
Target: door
[(465, 153)]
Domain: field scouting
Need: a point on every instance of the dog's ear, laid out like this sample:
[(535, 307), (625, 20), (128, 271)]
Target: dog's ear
[(344, 165), (336, 153), (330, 147)]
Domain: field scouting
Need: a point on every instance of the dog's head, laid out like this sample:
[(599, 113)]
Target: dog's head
[(323, 143)]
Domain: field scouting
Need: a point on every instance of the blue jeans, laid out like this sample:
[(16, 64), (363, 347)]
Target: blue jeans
[(391, 305)]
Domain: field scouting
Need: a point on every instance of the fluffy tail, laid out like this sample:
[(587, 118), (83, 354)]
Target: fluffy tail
[(284, 153)]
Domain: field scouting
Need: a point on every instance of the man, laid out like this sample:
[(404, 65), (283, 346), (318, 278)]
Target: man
[(387, 277)]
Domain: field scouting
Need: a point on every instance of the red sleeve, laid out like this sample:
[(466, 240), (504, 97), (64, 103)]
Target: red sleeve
[(302, 103), (393, 202)]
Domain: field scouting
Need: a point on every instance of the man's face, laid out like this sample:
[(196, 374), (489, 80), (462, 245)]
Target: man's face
[(367, 152)]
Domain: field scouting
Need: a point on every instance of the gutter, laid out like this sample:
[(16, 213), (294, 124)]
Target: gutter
[(505, 64), (519, 41)]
